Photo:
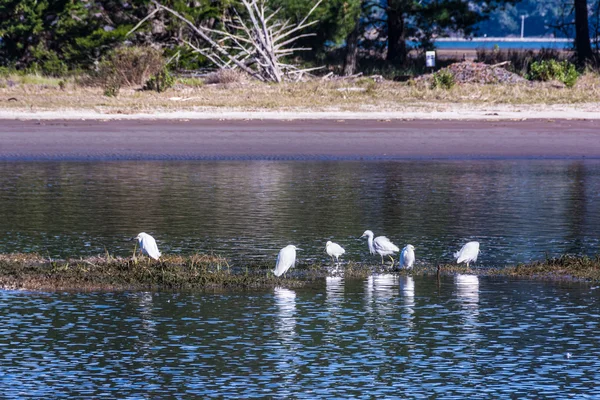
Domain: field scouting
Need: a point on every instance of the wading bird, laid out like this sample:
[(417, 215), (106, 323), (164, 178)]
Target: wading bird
[(334, 250), (468, 253), (380, 245), (285, 260), (148, 245), (407, 257)]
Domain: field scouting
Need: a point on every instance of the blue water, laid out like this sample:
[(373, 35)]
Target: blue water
[(384, 337), (491, 44)]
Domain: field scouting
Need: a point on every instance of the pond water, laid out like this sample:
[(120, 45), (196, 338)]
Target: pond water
[(519, 210), (384, 337), (381, 337)]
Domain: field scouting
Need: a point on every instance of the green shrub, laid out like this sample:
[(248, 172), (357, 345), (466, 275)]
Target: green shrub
[(160, 82), (549, 70), (443, 79)]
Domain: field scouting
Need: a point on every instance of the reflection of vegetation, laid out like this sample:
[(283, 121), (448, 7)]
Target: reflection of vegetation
[(207, 272)]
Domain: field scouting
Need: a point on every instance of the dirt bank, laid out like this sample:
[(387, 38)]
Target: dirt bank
[(297, 139)]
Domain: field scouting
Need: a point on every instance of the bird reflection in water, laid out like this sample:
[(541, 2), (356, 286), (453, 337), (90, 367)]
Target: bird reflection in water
[(379, 291), (467, 294), (285, 301), (407, 290)]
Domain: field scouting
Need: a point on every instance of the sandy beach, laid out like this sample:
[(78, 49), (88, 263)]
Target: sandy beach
[(297, 139)]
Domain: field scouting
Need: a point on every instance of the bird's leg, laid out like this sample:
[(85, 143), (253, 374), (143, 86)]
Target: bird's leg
[(392, 258), (382, 260), (467, 265)]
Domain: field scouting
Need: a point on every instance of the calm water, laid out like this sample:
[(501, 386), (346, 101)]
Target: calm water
[(385, 337), (518, 210)]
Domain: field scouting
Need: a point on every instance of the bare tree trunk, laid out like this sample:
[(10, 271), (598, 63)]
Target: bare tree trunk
[(351, 50), (583, 47), (396, 34)]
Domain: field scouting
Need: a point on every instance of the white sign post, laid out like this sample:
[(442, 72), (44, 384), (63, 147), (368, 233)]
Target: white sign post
[(430, 59)]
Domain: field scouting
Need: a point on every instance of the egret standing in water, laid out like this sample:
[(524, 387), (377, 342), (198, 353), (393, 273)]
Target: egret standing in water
[(468, 253), (334, 250), (407, 257), (380, 245), (148, 245), (285, 260)]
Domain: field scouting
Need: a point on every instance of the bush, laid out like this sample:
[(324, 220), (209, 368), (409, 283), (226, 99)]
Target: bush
[(519, 60), (549, 70), (127, 66), (131, 66), (160, 82), (443, 79)]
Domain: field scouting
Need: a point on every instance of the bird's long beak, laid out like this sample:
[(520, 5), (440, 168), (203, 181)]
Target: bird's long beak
[(298, 248), (130, 239)]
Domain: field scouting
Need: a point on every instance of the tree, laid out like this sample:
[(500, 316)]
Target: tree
[(426, 19), (583, 48)]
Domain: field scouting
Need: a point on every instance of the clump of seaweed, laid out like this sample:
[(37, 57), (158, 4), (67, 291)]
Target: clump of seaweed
[(566, 266)]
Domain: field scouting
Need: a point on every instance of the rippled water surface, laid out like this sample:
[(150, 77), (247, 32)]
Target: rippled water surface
[(383, 337), (518, 210)]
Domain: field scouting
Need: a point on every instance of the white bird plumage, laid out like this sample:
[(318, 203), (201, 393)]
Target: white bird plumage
[(468, 253), (380, 245), (148, 245), (334, 250), (407, 257), (285, 259)]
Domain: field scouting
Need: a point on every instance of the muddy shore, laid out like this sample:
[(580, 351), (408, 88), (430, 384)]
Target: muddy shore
[(297, 139)]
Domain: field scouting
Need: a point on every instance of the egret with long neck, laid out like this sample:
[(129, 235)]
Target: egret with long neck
[(380, 245)]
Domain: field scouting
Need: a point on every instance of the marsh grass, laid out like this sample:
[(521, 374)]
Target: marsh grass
[(209, 272), (48, 94)]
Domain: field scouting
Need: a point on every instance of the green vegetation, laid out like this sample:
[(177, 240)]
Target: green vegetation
[(160, 81), (209, 272), (443, 79), (548, 70)]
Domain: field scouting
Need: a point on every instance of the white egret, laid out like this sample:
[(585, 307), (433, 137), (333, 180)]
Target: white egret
[(334, 250), (285, 260), (380, 245), (148, 245), (468, 253), (407, 257)]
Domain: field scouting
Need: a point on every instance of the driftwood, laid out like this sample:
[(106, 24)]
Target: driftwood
[(257, 45)]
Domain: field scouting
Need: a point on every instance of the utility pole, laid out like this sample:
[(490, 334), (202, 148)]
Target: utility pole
[(523, 25)]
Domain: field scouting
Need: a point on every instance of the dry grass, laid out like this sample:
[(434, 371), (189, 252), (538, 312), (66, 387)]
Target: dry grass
[(28, 94)]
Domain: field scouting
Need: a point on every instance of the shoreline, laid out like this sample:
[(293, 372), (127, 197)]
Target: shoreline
[(329, 139), (449, 112)]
